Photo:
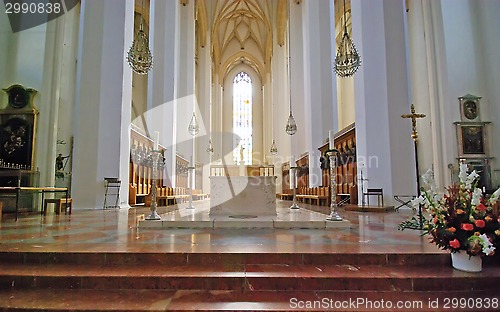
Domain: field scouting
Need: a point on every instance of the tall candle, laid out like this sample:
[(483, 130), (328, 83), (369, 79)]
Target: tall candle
[(331, 137), (156, 140), (292, 161)]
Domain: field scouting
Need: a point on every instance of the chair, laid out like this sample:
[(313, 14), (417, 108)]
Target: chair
[(59, 202), (376, 192)]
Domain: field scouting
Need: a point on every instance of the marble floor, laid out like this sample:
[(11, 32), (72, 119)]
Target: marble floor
[(200, 217), (119, 230), (103, 260)]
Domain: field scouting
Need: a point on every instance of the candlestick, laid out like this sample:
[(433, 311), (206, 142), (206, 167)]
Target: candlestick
[(156, 140), (331, 138)]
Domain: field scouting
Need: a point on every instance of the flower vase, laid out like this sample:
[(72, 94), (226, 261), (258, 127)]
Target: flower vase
[(462, 261)]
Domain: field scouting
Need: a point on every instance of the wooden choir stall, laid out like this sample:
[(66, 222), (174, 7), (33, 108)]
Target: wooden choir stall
[(347, 186), (141, 175)]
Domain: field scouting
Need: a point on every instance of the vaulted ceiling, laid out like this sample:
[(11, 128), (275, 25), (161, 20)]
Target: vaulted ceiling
[(242, 32)]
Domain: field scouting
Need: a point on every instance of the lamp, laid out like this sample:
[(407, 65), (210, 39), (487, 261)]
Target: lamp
[(291, 126), (347, 59), (193, 130), (139, 56), (193, 127), (210, 148), (274, 149)]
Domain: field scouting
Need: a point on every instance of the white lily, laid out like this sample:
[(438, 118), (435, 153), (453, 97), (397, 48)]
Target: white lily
[(488, 247), (494, 196), (470, 179), (463, 172), (476, 197), (415, 203)]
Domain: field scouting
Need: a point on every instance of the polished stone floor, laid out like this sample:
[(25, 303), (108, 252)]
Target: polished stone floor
[(198, 216), (118, 230)]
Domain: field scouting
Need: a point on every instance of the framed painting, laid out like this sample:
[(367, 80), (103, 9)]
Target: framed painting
[(471, 141)]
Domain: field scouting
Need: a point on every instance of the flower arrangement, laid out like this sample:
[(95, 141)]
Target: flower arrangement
[(461, 219)]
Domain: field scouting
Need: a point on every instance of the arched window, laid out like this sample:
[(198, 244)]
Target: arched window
[(242, 117)]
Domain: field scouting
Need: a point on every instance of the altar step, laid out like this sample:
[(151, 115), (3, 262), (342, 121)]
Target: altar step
[(52, 281)]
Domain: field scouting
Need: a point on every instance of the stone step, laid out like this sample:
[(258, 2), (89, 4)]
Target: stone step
[(221, 259), (189, 300), (266, 277)]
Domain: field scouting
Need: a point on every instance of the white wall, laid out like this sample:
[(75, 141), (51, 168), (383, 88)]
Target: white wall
[(453, 52), (5, 45), (475, 69), (485, 14)]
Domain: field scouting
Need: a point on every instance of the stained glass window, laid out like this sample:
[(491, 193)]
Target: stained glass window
[(242, 117)]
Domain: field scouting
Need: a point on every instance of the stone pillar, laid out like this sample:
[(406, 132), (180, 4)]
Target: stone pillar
[(318, 104), (185, 79), (103, 101), (384, 146), (161, 85), (296, 83), (204, 99), (429, 84)]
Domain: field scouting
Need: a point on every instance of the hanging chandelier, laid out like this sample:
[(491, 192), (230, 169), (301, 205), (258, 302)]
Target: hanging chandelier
[(347, 59), (193, 127), (210, 148), (139, 56), (274, 149), (291, 126)]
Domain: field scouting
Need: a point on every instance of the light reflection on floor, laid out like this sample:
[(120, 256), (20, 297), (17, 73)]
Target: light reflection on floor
[(118, 230)]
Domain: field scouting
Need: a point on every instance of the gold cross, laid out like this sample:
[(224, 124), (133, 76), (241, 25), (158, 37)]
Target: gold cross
[(413, 117)]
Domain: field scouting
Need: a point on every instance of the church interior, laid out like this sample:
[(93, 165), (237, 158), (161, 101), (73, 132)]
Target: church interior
[(253, 155)]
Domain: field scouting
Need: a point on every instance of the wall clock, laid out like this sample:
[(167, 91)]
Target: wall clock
[(469, 107)]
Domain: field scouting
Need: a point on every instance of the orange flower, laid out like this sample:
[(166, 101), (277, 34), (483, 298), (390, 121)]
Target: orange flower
[(467, 227), (455, 243), (435, 220), (452, 230), (481, 207), (480, 223), (487, 219), (477, 234), (460, 211)]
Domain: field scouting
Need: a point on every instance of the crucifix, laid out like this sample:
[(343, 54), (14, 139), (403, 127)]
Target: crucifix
[(414, 136)]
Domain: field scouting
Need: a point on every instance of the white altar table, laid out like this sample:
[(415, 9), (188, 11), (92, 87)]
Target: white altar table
[(242, 196)]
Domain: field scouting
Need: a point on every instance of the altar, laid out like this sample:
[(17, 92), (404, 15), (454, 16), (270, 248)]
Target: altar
[(242, 196)]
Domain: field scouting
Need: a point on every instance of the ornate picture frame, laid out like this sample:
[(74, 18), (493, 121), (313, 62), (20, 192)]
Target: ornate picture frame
[(472, 139)]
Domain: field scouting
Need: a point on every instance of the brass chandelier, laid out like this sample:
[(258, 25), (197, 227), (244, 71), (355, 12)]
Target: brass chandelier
[(347, 59), (139, 56)]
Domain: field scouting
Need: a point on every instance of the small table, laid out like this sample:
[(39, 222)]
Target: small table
[(43, 190), (404, 200)]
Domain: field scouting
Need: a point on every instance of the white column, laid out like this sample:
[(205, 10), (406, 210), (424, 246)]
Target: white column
[(384, 145), (184, 75), (318, 104), (334, 123), (280, 110), (161, 84), (204, 90), (103, 100), (298, 140), (430, 89)]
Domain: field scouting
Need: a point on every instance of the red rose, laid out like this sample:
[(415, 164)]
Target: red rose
[(480, 223), (467, 227), (455, 244), (481, 207)]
